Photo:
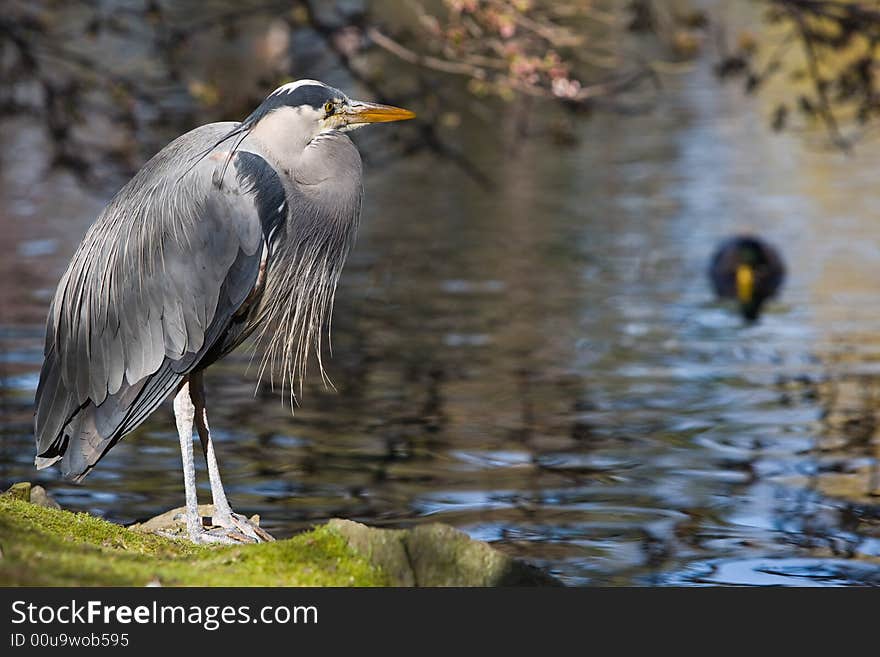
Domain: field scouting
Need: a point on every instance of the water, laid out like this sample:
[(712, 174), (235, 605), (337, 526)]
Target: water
[(543, 365)]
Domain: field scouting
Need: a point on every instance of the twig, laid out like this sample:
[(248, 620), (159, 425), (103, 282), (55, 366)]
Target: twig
[(825, 110), (426, 130), (426, 61)]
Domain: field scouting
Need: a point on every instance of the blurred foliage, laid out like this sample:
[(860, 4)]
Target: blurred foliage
[(57, 62), (823, 54), (511, 47)]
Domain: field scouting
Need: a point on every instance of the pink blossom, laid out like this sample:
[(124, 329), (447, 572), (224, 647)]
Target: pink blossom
[(565, 88)]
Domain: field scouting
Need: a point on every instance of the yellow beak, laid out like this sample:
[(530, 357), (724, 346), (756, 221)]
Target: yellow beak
[(745, 283), (375, 113)]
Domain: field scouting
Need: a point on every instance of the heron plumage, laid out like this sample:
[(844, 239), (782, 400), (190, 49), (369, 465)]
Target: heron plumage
[(157, 285), (232, 228)]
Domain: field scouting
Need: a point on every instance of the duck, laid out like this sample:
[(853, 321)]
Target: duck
[(750, 271)]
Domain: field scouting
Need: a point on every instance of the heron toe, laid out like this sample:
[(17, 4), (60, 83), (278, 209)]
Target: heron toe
[(220, 536), (238, 524)]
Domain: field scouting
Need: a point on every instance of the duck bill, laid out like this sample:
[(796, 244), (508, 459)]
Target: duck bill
[(745, 284), (376, 113)]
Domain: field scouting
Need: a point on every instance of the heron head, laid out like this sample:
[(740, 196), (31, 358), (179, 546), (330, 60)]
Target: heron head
[(303, 110), (296, 115)]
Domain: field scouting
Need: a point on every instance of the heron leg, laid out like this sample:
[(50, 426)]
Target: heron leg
[(223, 513), (184, 414), (184, 411), (221, 504)]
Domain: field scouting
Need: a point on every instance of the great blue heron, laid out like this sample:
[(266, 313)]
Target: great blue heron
[(232, 228), (749, 270)]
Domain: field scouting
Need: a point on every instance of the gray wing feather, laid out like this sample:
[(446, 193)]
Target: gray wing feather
[(155, 283)]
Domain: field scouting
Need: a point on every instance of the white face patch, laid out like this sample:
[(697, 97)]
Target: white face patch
[(287, 131)]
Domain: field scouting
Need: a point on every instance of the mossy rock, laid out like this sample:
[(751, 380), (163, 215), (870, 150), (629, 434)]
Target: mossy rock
[(33, 494), (46, 546), (438, 555), (42, 546)]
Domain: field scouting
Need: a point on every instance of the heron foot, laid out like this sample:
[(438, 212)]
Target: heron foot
[(211, 528), (237, 524), (219, 535), (215, 536)]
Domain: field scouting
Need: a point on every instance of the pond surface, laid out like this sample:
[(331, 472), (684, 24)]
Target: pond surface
[(543, 365)]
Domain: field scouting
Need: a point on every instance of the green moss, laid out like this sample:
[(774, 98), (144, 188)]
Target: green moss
[(47, 547)]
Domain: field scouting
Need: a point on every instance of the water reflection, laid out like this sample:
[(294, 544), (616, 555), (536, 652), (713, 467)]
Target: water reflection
[(544, 366)]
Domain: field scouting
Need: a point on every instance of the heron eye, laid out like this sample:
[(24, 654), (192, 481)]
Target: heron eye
[(329, 108)]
